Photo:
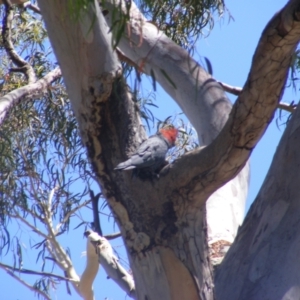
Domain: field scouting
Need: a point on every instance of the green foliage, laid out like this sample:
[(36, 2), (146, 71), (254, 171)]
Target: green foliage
[(183, 20), (77, 6), (119, 21), (43, 148), (45, 176), (31, 34), (42, 153)]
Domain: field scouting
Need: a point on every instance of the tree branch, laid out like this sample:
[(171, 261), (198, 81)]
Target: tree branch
[(57, 252), (110, 263), (70, 213), (263, 263), (31, 272), (252, 112), (167, 63), (237, 91), (287, 107), (16, 96), (60, 255), (112, 236), (32, 227), (26, 284), (23, 65), (63, 261), (30, 212), (91, 269), (200, 97), (95, 202)]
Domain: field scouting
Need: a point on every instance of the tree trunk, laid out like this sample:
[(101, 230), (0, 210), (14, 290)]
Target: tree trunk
[(104, 108), (163, 221), (265, 254)]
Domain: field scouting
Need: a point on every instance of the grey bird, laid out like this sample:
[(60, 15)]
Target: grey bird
[(152, 152)]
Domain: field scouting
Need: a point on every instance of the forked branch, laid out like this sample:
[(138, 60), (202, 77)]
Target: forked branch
[(23, 65), (26, 92)]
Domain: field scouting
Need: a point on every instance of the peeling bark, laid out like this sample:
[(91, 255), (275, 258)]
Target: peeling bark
[(103, 253)]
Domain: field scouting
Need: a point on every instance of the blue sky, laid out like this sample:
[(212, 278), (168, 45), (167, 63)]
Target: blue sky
[(229, 47)]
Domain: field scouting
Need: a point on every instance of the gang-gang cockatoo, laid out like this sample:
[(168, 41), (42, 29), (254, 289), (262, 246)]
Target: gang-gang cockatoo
[(152, 152)]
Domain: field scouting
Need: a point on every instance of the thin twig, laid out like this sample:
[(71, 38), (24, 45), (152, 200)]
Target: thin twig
[(27, 284), (230, 89), (32, 272), (17, 216), (23, 65), (286, 106), (71, 212), (237, 91), (30, 212)]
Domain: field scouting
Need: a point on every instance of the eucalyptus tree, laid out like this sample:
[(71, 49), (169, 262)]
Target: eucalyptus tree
[(175, 225)]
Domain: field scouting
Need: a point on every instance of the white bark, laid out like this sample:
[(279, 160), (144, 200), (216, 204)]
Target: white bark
[(81, 72), (91, 269), (104, 253)]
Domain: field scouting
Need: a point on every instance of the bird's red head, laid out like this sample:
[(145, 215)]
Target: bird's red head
[(170, 133)]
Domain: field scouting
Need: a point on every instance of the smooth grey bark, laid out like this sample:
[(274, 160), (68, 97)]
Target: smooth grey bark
[(163, 221), (263, 261), (201, 98), (265, 255)]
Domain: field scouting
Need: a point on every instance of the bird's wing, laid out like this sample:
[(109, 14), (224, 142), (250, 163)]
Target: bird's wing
[(147, 147)]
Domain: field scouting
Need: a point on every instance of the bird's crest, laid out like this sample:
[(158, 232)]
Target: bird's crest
[(169, 132)]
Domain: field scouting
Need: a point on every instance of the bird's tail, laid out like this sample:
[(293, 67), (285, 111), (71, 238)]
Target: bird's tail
[(126, 165)]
